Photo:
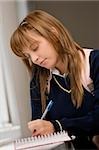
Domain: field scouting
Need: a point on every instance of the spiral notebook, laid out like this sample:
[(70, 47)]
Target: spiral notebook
[(42, 142)]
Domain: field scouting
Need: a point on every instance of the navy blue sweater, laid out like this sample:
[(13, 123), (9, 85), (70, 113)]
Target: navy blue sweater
[(83, 121)]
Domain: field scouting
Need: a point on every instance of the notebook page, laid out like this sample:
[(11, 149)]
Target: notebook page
[(52, 146), (44, 140)]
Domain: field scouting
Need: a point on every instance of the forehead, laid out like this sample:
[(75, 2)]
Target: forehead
[(32, 39), (35, 36)]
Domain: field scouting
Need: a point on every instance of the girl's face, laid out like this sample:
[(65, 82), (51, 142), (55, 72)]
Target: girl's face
[(42, 52)]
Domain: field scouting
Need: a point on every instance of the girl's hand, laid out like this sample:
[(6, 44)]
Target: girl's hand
[(40, 127)]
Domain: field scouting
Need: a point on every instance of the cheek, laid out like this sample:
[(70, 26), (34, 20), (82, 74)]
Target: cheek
[(54, 60), (55, 57)]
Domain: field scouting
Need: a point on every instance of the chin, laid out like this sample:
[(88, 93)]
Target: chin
[(49, 67), (45, 67)]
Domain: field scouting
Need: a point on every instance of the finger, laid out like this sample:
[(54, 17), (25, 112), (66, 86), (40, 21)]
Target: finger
[(34, 121), (30, 123), (36, 133), (32, 128)]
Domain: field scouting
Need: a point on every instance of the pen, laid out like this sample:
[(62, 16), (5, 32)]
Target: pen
[(47, 109)]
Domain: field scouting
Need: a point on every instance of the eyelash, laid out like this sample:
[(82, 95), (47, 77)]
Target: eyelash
[(35, 49)]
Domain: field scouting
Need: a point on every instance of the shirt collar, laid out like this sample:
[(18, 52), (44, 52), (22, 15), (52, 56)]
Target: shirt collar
[(57, 72)]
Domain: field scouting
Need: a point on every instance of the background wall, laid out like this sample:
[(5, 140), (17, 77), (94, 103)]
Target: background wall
[(80, 17)]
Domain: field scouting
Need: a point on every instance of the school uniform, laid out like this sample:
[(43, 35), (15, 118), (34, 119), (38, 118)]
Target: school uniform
[(83, 122)]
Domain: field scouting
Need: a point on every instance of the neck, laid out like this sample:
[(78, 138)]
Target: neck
[(61, 67)]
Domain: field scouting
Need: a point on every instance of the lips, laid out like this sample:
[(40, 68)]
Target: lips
[(42, 62)]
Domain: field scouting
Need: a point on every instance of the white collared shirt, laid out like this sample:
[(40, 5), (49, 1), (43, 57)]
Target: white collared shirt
[(57, 72)]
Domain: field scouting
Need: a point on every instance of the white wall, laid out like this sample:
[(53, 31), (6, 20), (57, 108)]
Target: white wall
[(17, 76)]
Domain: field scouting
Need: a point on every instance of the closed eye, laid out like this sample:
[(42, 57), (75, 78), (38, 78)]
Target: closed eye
[(35, 49)]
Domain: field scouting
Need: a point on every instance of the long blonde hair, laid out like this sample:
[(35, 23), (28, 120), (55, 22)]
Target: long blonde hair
[(42, 23)]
